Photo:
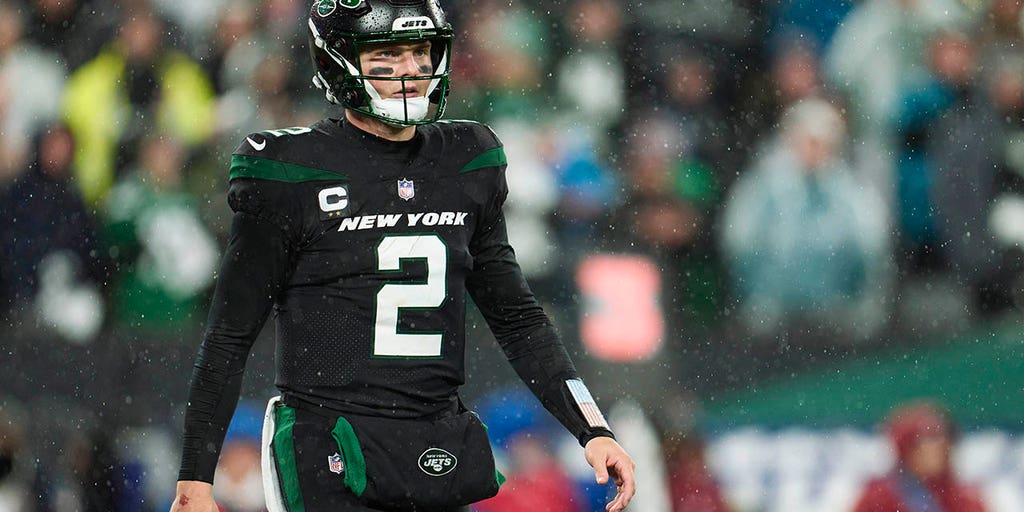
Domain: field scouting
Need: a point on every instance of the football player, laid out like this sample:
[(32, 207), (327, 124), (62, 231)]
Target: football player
[(364, 234)]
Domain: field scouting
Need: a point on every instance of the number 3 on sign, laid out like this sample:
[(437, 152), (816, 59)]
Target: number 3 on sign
[(392, 297)]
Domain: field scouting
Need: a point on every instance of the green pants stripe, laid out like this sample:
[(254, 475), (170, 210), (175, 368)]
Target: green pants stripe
[(284, 456)]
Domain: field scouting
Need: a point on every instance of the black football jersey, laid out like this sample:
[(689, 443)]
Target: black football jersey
[(382, 237), (366, 249)]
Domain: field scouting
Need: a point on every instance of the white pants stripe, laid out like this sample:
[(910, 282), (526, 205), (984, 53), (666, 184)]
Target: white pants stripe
[(271, 483)]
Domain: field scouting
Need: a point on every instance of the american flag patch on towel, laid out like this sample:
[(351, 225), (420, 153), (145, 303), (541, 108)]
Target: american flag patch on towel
[(586, 403)]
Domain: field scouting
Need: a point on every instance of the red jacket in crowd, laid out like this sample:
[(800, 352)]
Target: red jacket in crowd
[(883, 495), (922, 436)]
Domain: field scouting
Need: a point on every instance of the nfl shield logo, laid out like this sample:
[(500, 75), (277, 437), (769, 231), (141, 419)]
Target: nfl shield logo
[(334, 461), (405, 190)]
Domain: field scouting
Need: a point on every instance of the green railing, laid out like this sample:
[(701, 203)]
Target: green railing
[(980, 378)]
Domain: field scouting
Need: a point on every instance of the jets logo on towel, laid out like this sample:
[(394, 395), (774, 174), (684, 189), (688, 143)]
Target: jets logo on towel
[(437, 462), (335, 464)]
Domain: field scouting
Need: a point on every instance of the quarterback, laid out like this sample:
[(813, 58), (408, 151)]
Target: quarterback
[(364, 235)]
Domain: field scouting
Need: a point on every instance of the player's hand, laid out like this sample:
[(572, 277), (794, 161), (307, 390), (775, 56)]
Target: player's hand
[(194, 496), (608, 458)]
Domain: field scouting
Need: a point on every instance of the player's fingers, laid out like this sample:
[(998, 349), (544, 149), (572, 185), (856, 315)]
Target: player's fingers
[(601, 472), (627, 490), (626, 481), (613, 473), (617, 504), (626, 473)]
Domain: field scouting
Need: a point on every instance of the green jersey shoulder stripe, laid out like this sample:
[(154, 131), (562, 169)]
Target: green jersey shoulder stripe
[(490, 158), (244, 166)]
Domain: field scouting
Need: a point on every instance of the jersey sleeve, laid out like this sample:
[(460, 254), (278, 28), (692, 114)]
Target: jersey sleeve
[(522, 328), (255, 268)]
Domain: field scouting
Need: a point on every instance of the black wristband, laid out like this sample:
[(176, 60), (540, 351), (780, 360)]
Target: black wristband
[(597, 432)]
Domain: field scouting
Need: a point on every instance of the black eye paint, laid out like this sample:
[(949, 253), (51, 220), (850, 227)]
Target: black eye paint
[(381, 71), (426, 70)]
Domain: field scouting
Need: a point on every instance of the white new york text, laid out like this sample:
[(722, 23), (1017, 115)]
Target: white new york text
[(390, 220)]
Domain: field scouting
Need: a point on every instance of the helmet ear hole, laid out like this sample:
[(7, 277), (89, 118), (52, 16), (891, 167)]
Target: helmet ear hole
[(323, 64), (437, 51), (351, 96), (440, 92)]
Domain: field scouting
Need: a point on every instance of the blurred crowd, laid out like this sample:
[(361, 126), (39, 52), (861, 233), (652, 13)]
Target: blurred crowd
[(838, 172), (786, 164)]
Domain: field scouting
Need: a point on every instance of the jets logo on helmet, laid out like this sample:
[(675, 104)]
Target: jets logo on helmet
[(335, 40), (413, 23), (326, 7)]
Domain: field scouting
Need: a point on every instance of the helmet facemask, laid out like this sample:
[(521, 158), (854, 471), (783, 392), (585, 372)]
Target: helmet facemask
[(340, 75)]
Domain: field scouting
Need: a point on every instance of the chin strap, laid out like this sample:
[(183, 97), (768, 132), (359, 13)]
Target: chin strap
[(320, 83)]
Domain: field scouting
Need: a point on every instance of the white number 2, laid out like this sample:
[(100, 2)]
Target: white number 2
[(297, 130), (392, 297)]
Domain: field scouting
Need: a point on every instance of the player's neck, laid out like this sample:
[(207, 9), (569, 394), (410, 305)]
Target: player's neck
[(379, 128)]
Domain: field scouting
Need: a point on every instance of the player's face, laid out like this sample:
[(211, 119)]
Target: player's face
[(389, 60)]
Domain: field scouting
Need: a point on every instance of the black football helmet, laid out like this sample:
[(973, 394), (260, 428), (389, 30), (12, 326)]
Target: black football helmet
[(338, 29)]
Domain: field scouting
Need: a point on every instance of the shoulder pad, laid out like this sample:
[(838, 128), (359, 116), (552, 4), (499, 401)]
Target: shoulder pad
[(485, 149), (471, 130), (270, 143), (245, 166), (278, 155)]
